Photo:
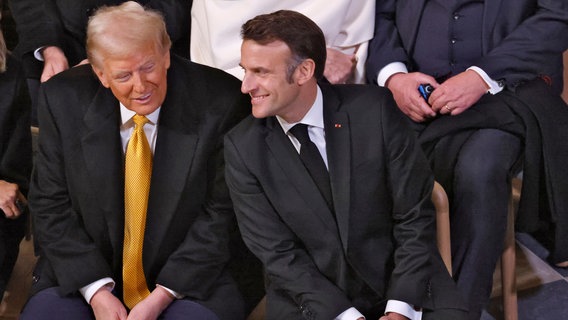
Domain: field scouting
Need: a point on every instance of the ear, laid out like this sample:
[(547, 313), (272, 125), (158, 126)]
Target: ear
[(101, 75), (167, 57), (305, 71)]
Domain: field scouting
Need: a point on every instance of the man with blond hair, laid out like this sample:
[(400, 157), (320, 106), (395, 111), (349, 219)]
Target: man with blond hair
[(130, 206)]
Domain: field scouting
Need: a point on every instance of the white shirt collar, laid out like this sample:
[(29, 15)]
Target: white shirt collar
[(314, 116), (127, 114)]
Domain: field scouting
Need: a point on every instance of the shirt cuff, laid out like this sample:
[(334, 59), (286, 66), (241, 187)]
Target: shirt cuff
[(390, 69), (89, 290), (349, 314), (37, 53), (403, 308), (494, 86), (172, 292)]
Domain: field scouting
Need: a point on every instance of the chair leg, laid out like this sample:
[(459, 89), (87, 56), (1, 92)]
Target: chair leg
[(440, 200), (508, 262), (259, 312)]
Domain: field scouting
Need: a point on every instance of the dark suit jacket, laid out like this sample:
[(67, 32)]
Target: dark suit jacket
[(77, 191), (15, 158), (63, 23), (521, 39), (15, 135), (383, 224)]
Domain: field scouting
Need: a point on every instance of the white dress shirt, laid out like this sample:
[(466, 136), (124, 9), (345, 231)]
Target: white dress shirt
[(399, 67)]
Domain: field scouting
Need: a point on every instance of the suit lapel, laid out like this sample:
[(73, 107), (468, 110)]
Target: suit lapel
[(102, 153), (287, 157), (173, 156), (339, 159), (410, 11)]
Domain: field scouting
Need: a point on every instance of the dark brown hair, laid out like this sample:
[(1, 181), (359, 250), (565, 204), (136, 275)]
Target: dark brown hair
[(304, 38)]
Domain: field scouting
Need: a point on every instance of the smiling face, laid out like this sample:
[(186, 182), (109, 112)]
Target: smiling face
[(273, 90), (137, 79)]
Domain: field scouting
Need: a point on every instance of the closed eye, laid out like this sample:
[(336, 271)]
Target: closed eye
[(148, 67), (122, 77)]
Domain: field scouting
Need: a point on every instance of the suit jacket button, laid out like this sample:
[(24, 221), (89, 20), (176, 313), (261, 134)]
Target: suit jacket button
[(307, 312)]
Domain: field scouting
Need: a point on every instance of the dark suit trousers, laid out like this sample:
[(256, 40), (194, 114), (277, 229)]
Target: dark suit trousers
[(49, 305), (478, 184), (11, 234)]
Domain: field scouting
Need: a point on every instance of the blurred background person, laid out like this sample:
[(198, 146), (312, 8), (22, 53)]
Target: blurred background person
[(496, 70), (347, 27), (15, 160)]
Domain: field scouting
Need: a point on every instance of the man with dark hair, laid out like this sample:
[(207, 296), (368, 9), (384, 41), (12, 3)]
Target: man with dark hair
[(331, 191)]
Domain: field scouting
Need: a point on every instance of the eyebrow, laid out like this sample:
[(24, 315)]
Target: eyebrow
[(120, 74)]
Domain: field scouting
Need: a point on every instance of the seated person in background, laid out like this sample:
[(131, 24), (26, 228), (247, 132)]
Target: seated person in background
[(485, 60), (337, 244), (15, 160), (129, 202), (52, 32), (347, 27)]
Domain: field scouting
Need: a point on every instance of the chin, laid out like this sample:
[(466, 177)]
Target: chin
[(256, 115), (260, 113), (257, 112), (144, 109)]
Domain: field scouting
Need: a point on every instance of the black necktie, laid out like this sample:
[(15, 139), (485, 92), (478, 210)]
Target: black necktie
[(310, 156)]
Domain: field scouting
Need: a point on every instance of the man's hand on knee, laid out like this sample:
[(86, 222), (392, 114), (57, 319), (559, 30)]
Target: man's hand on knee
[(106, 306)]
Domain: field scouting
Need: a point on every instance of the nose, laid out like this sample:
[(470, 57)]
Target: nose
[(139, 82), (248, 84)]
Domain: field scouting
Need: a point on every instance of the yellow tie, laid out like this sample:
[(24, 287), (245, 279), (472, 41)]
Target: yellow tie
[(138, 170)]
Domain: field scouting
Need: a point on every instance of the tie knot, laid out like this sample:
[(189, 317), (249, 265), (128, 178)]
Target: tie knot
[(139, 120), (300, 131)]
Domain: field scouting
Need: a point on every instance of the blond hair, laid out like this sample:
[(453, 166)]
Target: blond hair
[(123, 29), (3, 48)]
